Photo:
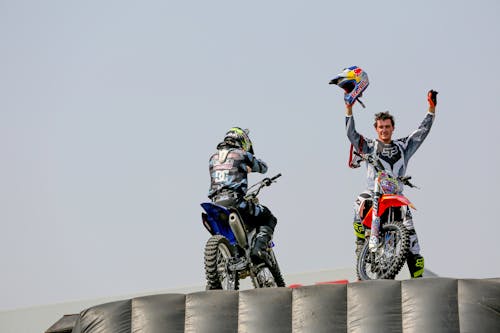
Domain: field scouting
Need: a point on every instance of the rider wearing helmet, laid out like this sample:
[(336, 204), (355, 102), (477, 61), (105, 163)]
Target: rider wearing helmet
[(229, 167), (394, 156)]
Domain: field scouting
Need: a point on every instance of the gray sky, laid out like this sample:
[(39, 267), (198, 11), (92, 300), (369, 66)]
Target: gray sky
[(109, 111)]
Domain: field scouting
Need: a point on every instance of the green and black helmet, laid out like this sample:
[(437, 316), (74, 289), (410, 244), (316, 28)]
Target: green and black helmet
[(239, 137)]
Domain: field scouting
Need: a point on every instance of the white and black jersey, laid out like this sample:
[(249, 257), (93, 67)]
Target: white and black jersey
[(395, 155)]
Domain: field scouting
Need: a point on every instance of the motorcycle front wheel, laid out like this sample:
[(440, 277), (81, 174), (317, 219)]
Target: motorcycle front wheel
[(269, 276), (218, 256), (390, 257)]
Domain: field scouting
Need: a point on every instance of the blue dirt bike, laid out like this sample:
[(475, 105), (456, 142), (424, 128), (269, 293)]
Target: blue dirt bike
[(227, 251)]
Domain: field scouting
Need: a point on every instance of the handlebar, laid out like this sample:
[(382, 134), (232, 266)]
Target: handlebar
[(406, 180), (264, 182), (268, 181), (276, 177), (378, 167)]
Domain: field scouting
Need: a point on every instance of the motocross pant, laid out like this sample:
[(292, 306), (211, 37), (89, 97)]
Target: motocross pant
[(414, 260), (253, 215), (258, 217)]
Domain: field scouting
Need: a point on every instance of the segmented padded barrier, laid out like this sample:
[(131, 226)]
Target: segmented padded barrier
[(441, 305)]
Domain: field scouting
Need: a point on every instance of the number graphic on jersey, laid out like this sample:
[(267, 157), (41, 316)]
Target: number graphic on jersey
[(221, 176)]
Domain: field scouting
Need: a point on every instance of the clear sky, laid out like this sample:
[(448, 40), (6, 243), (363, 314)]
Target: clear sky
[(109, 111)]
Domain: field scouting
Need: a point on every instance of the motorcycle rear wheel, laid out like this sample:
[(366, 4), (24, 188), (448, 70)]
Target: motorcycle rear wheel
[(388, 260), (218, 256)]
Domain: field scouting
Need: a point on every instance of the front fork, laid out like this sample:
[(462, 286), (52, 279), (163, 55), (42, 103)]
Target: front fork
[(375, 218), (375, 229), (243, 266)]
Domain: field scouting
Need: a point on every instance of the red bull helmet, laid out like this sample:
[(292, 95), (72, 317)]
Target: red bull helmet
[(354, 81)]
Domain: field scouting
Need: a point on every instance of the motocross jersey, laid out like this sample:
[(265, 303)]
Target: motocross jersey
[(395, 155), (229, 168)]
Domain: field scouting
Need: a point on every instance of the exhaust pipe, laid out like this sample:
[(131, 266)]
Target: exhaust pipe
[(238, 230)]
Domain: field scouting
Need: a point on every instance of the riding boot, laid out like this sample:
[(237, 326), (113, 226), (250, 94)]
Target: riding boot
[(359, 246), (359, 231), (260, 249), (415, 265)]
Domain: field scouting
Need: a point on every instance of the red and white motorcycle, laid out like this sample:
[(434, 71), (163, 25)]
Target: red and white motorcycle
[(387, 241)]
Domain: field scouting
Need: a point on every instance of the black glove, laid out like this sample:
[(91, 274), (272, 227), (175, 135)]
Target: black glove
[(431, 97)]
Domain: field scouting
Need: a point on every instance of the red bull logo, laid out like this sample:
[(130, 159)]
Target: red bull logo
[(360, 88)]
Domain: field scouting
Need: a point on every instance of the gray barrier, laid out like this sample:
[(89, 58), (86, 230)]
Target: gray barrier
[(421, 305)]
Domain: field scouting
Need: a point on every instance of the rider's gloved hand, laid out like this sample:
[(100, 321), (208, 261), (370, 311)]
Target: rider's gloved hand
[(432, 98), (347, 100)]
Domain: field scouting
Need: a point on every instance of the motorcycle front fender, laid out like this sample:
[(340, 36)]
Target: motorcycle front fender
[(386, 201)]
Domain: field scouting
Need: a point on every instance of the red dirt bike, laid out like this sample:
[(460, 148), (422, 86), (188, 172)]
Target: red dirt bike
[(387, 241)]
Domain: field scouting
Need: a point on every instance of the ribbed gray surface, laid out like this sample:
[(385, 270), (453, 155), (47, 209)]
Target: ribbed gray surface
[(423, 305), (435, 300)]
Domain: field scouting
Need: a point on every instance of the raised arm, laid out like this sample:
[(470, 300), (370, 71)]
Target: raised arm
[(415, 139), (357, 140), (348, 110)]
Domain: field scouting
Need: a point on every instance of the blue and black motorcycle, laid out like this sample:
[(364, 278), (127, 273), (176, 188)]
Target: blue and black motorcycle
[(227, 251)]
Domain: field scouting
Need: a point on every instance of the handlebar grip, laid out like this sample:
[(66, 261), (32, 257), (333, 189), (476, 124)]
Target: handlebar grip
[(277, 176)]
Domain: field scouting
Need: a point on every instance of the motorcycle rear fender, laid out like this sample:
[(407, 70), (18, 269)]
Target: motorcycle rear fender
[(216, 220), (386, 201), (206, 224)]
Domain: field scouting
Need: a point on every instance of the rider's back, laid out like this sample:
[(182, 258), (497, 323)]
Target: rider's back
[(228, 171), (229, 168)]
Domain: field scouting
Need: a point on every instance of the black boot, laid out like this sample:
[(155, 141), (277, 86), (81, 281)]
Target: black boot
[(415, 265), (260, 249), (359, 246), (359, 231)]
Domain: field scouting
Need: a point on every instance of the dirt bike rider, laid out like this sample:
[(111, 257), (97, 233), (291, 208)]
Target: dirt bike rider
[(229, 168), (394, 156)]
